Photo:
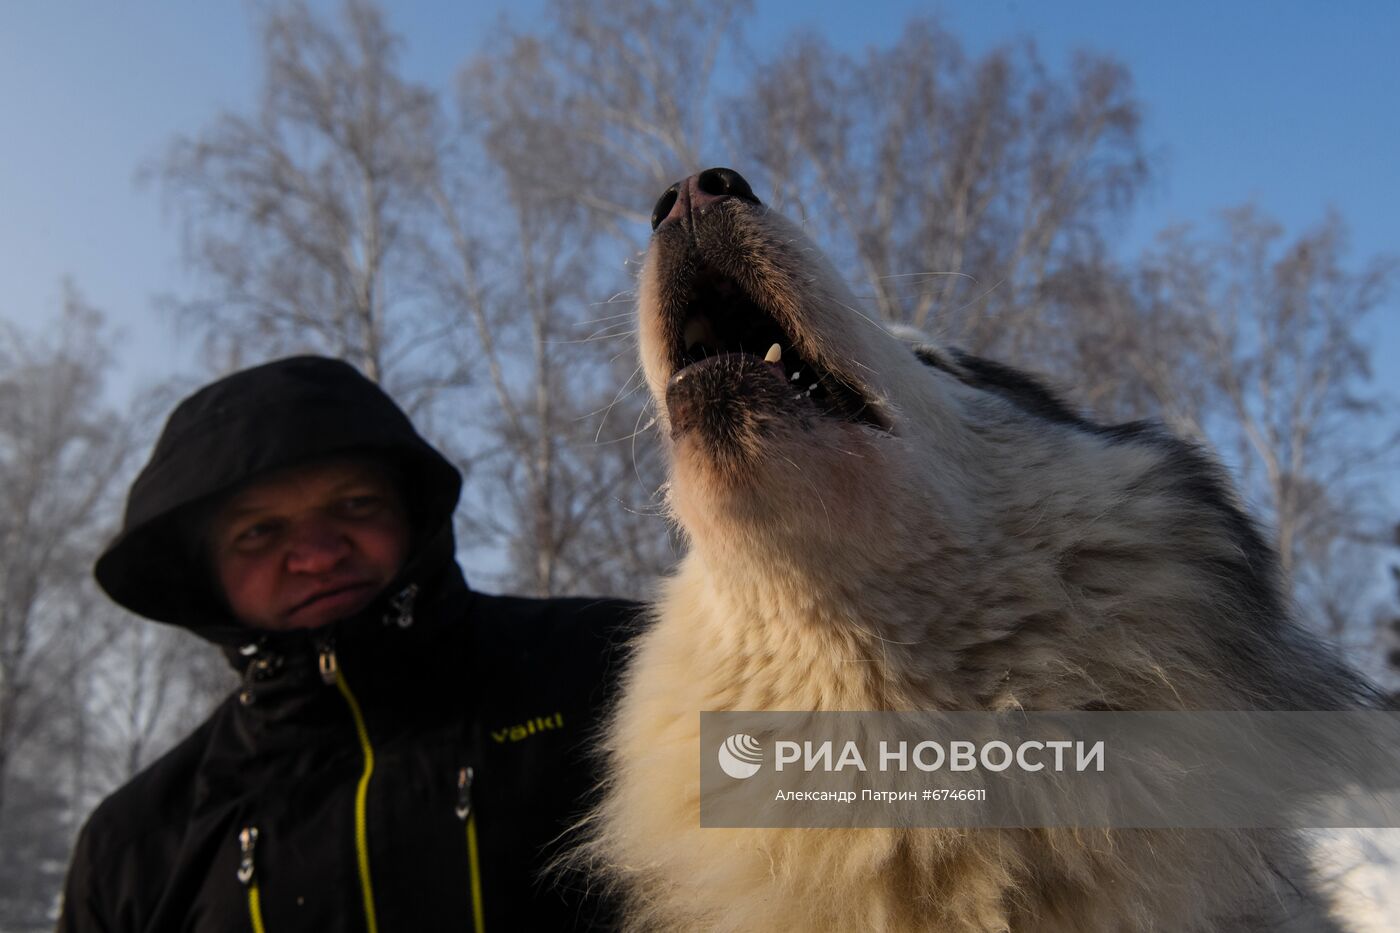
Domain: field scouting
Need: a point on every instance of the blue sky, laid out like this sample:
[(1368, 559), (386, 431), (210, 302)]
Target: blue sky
[(1292, 104)]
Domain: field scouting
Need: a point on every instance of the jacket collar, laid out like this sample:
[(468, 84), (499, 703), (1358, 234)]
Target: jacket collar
[(394, 637)]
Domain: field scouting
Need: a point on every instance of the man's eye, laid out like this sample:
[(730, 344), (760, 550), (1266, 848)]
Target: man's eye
[(255, 534), (356, 506)]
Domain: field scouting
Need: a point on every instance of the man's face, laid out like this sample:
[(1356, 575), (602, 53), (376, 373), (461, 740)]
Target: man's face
[(309, 544)]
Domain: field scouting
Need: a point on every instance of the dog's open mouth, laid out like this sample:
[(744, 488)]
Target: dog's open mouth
[(720, 318)]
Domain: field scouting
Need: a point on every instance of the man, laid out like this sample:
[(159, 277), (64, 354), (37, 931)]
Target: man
[(403, 753)]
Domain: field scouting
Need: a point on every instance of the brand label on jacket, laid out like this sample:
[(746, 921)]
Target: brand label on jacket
[(527, 729)]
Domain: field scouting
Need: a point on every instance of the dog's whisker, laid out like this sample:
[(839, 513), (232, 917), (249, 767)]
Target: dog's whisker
[(816, 493), (609, 317), (623, 392), (910, 275), (978, 298), (585, 340), (636, 469), (600, 334), (627, 391), (651, 423), (620, 354)]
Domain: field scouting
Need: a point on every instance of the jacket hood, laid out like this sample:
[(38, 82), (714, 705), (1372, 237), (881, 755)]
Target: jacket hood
[(275, 415)]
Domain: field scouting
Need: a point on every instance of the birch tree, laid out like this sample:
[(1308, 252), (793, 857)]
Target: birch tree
[(299, 216), (1255, 340), (1285, 324), (62, 457), (952, 187)]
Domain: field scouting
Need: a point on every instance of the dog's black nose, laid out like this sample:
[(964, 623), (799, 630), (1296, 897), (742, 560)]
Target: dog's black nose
[(696, 193)]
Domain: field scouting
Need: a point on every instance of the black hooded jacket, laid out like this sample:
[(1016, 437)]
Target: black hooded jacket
[(407, 769)]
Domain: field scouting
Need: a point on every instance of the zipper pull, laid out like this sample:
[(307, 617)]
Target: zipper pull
[(330, 671), (246, 696), (464, 793), (247, 840), (255, 665), (401, 607)]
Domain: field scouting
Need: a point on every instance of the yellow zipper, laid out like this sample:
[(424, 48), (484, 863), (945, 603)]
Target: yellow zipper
[(255, 909), (330, 673), (467, 813), (247, 840)]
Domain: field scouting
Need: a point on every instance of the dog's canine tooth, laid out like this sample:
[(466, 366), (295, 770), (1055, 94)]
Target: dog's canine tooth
[(775, 354)]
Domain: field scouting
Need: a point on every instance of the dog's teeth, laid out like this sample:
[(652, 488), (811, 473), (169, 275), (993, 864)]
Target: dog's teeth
[(797, 375), (775, 354)]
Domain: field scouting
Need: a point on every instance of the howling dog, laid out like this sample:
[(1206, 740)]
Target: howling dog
[(878, 525)]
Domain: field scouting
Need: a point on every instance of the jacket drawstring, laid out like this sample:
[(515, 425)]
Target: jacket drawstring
[(247, 843), (467, 814)]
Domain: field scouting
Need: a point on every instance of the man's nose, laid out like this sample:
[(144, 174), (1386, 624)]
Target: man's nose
[(315, 547)]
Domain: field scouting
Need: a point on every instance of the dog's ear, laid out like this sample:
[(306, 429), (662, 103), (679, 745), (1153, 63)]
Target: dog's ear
[(1021, 389), (929, 353), (909, 334), (940, 359)]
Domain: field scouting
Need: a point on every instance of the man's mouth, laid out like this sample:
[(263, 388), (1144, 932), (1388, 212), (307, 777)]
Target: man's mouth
[(720, 318), (341, 593)]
